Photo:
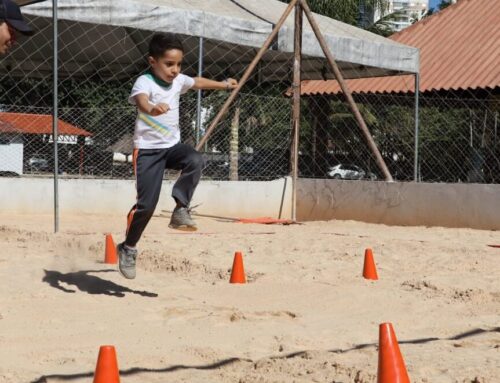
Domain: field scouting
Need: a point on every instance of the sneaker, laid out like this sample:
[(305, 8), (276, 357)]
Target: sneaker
[(126, 262), (181, 220)]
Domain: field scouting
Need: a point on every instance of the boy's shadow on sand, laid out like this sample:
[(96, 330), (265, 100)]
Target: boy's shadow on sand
[(90, 284)]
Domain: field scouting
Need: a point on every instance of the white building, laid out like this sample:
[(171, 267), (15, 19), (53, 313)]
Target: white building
[(11, 154)]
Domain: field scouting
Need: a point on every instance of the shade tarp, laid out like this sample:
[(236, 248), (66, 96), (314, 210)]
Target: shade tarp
[(233, 30)]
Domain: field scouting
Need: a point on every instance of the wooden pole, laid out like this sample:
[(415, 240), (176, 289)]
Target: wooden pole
[(247, 74), (296, 105), (346, 91)]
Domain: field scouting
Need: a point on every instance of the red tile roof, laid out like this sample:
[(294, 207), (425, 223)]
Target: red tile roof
[(459, 49), (27, 123)]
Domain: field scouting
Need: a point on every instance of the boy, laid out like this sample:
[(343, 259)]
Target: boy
[(11, 21), (157, 143)]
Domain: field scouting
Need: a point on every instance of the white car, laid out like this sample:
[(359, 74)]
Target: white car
[(349, 172), (38, 163)]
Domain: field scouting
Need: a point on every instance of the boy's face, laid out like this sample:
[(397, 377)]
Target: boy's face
[(168, 66), (7, 37)]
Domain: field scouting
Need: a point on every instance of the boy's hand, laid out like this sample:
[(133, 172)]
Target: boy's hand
[(231, 83), (158, 109)]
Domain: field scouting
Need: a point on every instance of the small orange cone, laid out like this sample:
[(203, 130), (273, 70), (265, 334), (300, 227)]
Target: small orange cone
[(369, 269), (238, 272), (391, 366), (106, 370), (110, 253)]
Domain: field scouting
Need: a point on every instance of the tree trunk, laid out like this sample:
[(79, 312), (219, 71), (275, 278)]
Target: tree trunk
[(233, 146)]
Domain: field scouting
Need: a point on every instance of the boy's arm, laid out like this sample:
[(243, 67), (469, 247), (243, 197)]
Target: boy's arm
[(205, 83), (144, 106)]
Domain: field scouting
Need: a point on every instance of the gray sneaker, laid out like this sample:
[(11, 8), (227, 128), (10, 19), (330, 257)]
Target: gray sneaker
[(181, 220), (126, 262)]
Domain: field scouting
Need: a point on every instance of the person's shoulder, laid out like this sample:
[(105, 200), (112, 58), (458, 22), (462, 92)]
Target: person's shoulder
[(144, 78), (143, 82), (184, 82), (182, 78)]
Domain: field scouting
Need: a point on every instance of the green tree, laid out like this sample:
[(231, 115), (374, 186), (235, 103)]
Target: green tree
[(347, 11)]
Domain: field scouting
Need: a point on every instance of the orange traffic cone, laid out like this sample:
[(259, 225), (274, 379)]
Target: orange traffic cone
[(106, 370), (238, 272), (110, 253), (369, 269), (391, 366)]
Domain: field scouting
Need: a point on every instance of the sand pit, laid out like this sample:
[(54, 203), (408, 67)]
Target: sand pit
[(306, 314)]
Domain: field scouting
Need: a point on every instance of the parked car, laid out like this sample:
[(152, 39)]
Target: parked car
[(38, 163), (350, 172)]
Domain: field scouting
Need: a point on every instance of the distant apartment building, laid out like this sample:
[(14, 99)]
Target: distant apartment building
[(408, 11)]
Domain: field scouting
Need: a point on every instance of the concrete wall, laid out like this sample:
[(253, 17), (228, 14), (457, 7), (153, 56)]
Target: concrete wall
[(92, 196), (450, 205)]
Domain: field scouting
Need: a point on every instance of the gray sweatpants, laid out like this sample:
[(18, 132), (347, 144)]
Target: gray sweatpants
[(149, 166)]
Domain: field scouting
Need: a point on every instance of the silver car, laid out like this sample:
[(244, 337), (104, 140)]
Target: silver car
[(349, 172)]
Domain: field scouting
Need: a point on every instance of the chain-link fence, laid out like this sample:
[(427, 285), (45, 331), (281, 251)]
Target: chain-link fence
[(458, 138), (457, 142), (251, 144)]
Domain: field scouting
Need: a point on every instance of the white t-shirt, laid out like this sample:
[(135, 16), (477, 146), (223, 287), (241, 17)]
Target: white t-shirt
[(161, 131)]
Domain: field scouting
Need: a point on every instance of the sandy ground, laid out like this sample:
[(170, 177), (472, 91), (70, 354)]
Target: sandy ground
[(306, 314)]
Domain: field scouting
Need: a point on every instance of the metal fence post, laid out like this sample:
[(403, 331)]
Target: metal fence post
[(55, 117), (198, 97)]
